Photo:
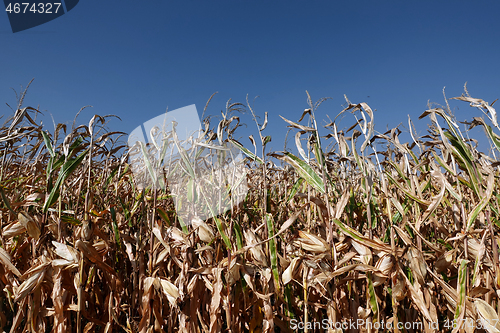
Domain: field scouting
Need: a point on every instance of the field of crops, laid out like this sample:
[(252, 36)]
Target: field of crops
[(402, 238)]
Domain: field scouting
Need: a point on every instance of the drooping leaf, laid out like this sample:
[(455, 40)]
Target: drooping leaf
[(305, 171)]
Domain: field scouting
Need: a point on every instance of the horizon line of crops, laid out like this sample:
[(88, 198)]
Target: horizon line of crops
[(404, 234)]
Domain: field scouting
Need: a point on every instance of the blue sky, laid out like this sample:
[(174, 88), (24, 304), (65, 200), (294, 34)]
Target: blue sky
[(136, 58)]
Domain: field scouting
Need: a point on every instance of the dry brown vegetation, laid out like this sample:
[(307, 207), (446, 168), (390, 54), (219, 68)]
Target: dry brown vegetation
[(406, 234)]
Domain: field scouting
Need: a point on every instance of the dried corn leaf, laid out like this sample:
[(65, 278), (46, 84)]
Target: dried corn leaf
[(205, 232), (91, 254), (291, 271), (29, 224), (29, 285), (13, 230), (170, 290), (5, 259), (312, 243), (385, 265), (417, 298), (255, 250), (66, 252), (461, 290), (365, 255), (488, 316), (417, 264), (445, 261)]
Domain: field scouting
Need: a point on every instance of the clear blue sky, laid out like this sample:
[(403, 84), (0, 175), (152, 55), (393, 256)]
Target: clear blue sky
[(136, 58)]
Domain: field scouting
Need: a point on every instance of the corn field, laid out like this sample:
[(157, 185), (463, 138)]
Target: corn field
[(337, 231)]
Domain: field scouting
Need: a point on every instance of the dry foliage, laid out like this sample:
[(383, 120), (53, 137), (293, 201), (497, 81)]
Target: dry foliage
[(407, 234)]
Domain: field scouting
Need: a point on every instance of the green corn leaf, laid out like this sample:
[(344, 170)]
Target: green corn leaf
[(226, 240), (186, 161), (349, 231), (164, 147), (75, 147), (462, 152), (138, 200), (191, 191), (246, 151), (48, 144), (5, 199), (126, 211), (493, 137), (238, 234), (295, 188), (149, 166), (67, 169), (373, 296), (443, 163), (70, 219), (318, 153), (416, 160), (123, 173), (183, 225), (218, 222), (462, 276), (305, 171), (483, 203), (184, 155), (114, 224), (163, 215), (273, 251), (289, 300), (50, 166)]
